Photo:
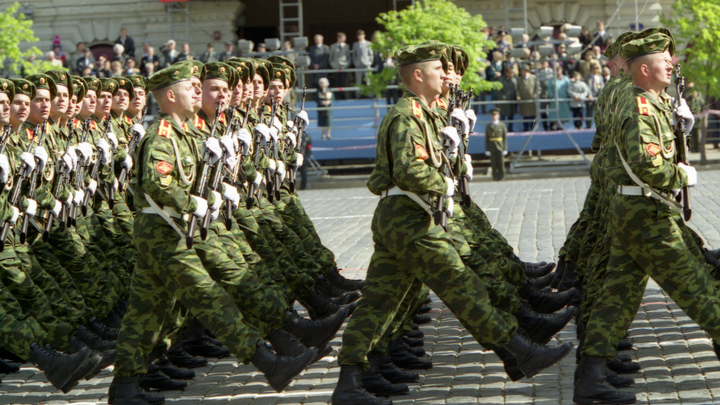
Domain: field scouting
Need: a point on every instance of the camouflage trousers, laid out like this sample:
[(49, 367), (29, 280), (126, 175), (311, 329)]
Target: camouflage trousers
[(571, 248), (167, 271), (17, 329), (114, 232), (648, 241), (294, 215), (482, 225), (408, 246)]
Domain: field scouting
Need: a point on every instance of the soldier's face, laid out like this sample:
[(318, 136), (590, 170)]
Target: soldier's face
[(19, 110), (184, 98), (72, 108), (40, 107), (660, 68), (62, 99), (138, 103), (451, 76), (214, 92), (197, 87), (4, 109), (433, 76), (121, 100), (258, 87), (276, 92), (247, 92), (88, 104), (104, 104)]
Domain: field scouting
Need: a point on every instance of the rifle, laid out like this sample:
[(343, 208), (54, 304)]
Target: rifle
[(292, 173), (202, 181), (463, 185), (252, 189), (95, 169), (216, 179), (62, 178), (79, 177), (33, 181), (238, 170), (277, 180), (683, 144), (132, 146), (441, 213)]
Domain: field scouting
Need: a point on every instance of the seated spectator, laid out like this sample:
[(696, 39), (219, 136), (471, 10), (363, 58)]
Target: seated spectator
[(86, 60), (59, 55), (523, 43), (116, 69), (585, 37), (228, 53), (149, 69), (209, 55), (51, 58), (130, 68), (150, 58), (118, 54), (185, 54), (88, 71), (104, 68), (169, 52), (578, 91), (598, 55), (585, 66)]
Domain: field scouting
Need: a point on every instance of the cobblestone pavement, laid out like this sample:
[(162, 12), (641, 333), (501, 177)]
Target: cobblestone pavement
[(678, 363)]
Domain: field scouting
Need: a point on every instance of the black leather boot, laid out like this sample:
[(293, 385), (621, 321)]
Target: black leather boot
[(107, 357), (390, 371), (618, 381), (285, 344), (532, 357), (280, 370), (349, 390), (127, 391), (421, 319), (510, 364), (625, 344), (6, 368), (105, 332), (539, 271), (318, 306), (63, 371), (622, 367), (591, 385), (545, 302), (424, 309), (374, 383), (542, 282), (568, 279), (315, 333), (154, 379), (203, 347), (404, 359), (334, 276), (176, 373), (178, 356), (94, 341), (418, 351), (415, 334), (542, 327), (413, 342), (328, 289), (559, 272)]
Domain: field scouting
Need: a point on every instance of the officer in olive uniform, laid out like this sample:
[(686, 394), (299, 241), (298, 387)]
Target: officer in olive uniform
[(496, 144)]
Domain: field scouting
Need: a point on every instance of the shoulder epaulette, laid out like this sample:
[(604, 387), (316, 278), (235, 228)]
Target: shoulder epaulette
[(643, 106), (199, 123), (185, 127), (416, 109), (165, 129), (441, 103), (128, 120), (76, 123), (30, 134), (222, 118), (93, 125)]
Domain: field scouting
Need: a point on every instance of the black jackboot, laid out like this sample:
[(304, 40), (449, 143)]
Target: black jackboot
[(510, 364), (568, 279), (315, 333), (542, 282), (318, 306), (104, 331), (390, 371), (542, 327), (280, 370), (349, 390), (374, 383), (545, 302), (537, 271), (532, 357), (178, 356), (334, 293), (285, 344), (94, 341), (334, 276), (591, 385), (6, 368), (127, 391), (63, 371), (559, 272)]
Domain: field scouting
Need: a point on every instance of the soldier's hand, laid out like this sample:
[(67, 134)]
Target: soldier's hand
[(504, 153), (202, 207), (263, 130), (271, 166), (275, 123), (303, 115), (41, 156), (104, 151), (127, 163), (92, 187), (231, 194), (292, 139), (468, 164), (451, 134), (683, 112), (472, 118), (79, 197), (139, 130), (228, 146), (280, 167), (458, 115), (273, 134), (69, 162), (15, 215), (29, 160), (300, 159), (113, 140), (31, 208), (450, 187), (691, 174), (4, 169), (258, 179), (212, 146), (85, 150), (243, 136), (290, 126), (215, 209), (56, 208), (449, 208)]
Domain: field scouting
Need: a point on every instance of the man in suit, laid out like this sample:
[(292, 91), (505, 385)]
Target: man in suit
[(340, 59), (171, 54), (319, 57), (87, 60), (126, 42), (209, 55), (229, 53), (362, 57)]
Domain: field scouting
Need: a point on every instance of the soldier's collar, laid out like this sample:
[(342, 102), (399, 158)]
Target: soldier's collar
[(414, 97)]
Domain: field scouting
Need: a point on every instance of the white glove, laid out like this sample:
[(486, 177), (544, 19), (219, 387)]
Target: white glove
[(263, 130), (218, 201), (472, 119), (280, 167), (113, 140), (228, 146), (468, 164), (139, 130), (292, 139), (275, 123), (684, 112), (303, 115), (231, 194), (691, 174), (69, 199), (29, 160), (487, 153), (212, 145), (15, 215), (69, 162), (243, 136), (79, 197), (31, 208), (300, 159), (450, 187), (4, 169), (451, 134), (290, 126), (40, 154), (127, 163), (115, 185), (458, 115), (273, 134), (202, 207), (449, 208), (504, 153), (271, 165), (104, 151), (92, 187), (57, 208), (85, 149), (258, 179)]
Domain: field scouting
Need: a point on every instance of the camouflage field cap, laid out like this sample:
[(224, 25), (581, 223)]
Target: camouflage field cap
[(281, 73), (170, 75), (425, 52), (242, 70), (653, 40), (43, 81), (25, 87), (614, 48), (138, 81), (289, 69), (222, 71), (245, 64), (79, 88), (125, 84), (92, 83), (108, 85), (61, 78), (264, 68), (200, 72), (460, 59), (7, 87)]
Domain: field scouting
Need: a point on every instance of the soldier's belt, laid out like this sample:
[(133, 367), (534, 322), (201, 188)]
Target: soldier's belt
[(421, 200), (639, 192), (495, 139), (171, 212)]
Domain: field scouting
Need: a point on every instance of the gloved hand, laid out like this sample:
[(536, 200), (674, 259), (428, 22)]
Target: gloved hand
[(258, 179), (451, 134), (105, 155), (683, 112), (139, 130), (273, 134), (691, 174), (280, 167), (271, 167), (228, 146), (69, 200), (57, 208), (69, 162), (127, 163), (41, 155), (472, 119), (29, 160), (458, 115), (113, 140), (449, 207), (290, 126), (300, 159), (275, 123), (218, 201), (115, 185), (303, 115), (202, 207), (4, 169), (84, 149), (243, 136), (79, 197), (468, 164), (31, 208), (504, 153), (15, 215), (231, 194), (292, 139), (212, 145), (92, 187), (263, 130), (487, 153), (450, 191)]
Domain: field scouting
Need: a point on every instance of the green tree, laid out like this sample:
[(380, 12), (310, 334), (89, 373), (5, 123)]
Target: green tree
[(440, 20), (16, 30), (695, 24)]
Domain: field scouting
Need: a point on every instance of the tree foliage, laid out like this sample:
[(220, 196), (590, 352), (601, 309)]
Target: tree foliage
[(16, 29), (695, 24), (438, 20)]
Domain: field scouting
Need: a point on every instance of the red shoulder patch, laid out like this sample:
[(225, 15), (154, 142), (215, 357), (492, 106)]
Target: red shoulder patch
[(416, 109), (128, 120), (643, 106), (421, 152), (222, 118), (30, 134), (199, 123), (653, 149), (164, 168), (165, 129), (184, 127), (93, 125), (441, 103), (76, 123)]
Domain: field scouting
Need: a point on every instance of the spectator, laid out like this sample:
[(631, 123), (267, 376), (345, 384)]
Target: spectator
[(209, 55), (558, 88), (496, 144), (86, 60), (51, 58), (362, 56), (606, 74), (228, 53), (544, 75), (579, 93), (340, 59), (185, 54), (149, 69), (261, 49), (116, 69), (59, 55), (289, 52), (696, 102), (508, 92), (527, 91), (169, 52), (127, 43), (118, 50), (601, 36), (502, 43), (377, 58), (150, 58), (595, 83), (494, 68), (324, 98), (391, 95), (319, 56), (130, 68), (88, 71), (598, 55), (585, 37), (104, 67), (586, 65), (523, 43)]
